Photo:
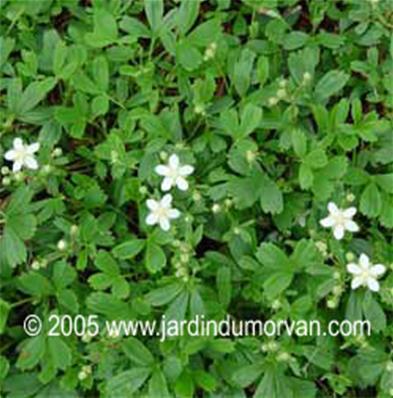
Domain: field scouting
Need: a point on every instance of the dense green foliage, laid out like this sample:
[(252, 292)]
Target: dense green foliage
[(280, 106)]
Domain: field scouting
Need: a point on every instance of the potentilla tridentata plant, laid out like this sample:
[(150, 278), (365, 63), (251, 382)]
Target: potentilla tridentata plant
[(179, 160)]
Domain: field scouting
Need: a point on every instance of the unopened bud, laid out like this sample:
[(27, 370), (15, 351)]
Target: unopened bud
[(216, 208), (5, 170), (61, 244), (350, 256)]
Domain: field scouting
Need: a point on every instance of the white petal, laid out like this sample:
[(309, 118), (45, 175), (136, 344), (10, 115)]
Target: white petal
[(338, 232), (18, 144), (174, 161), (33, 148), (351, 226), (17, 166), (173, 213), (166, 200), (162, 170), (10, 155), (356, 282), (350, 212), (354, 269), (164, 224), (186, 170), (31, 163), (373, 284), (378, 269), (333, 209), (166, 184), (152, 204), (151, 219), (364, 261), (181, 183), (327, 222)]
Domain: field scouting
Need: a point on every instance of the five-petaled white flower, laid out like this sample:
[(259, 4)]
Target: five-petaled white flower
[(22, 155), (365, 273), (340, 220), (174, 174), (161, 212)]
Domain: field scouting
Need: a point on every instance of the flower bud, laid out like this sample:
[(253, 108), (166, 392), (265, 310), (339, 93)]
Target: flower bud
[(273, 101), (196, 196), (216, 208), (57, 152), (61, 245), (331, 303), (74, 230), (5, 170), (350, 197), (6, 181), (46, 169), (350, 256), (281, 93), (19, 176), (283, 357)]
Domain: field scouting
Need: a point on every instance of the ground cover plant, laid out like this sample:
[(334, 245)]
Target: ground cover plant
[(186, 158)]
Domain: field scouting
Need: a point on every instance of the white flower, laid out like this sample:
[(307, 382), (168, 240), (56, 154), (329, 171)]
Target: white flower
[(22, 155), (174, 174), (161, 212), (340, 220), (365, 273)]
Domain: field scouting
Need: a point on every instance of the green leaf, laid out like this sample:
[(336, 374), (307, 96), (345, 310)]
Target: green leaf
[(353, 310), (250, 119), (276, 283), (188, 55), (127, 382), (247, 374), (137, 352), (155, 258), (33, 94), (129, 249), (263, 70), (316, 159), (242, 71), (105, 29), (154, 10), (295, 39), (184, 386), (306, 176), (99, 105), (158, 385), (370, 201), (331, 83), (205, 380), (187, 15), (385, 181), (59, 352), (271, 197), (274, 384), (35, 284), (205, 33), (31, 353), (4, 311), (164, 294), (224, 285), (4, 367), (272, 257), (374, 313), (106, 263), (299, 142)]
